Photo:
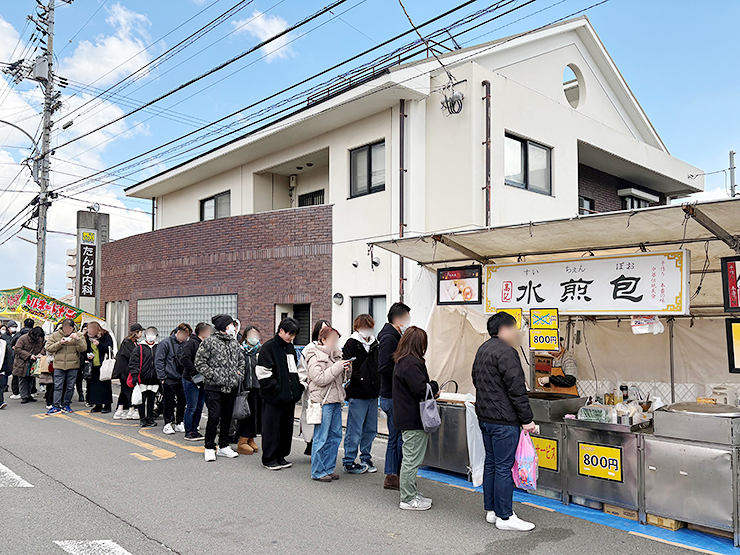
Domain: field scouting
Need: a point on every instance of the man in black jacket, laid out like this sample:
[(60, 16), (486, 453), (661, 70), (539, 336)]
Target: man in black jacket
[(195, 395), (28, 325), (399, 318), (281, 389), (502, 406)]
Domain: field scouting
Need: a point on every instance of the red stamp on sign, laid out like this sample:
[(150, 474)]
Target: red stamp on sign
[(507, 292)]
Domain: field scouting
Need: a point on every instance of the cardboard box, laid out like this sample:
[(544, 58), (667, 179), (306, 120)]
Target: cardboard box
[(667, 523), (713, 531), (629, 514)]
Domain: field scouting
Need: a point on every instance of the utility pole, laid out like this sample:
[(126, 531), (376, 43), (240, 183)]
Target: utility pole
[(732, 174)]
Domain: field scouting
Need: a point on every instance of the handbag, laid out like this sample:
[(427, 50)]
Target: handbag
[(241, 405), (106, 369), (314, 410), (33, 368), (87, 370), (429, 412)]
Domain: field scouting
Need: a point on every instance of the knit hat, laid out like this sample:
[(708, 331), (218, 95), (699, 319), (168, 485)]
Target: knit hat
[(221, 321)]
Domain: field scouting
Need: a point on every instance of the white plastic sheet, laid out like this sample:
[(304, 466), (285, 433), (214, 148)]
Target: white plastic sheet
[(476, 449), (136, 396)]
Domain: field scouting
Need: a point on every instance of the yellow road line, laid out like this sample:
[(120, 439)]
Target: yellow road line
[(103, 421), (676, 544), (192, 449)]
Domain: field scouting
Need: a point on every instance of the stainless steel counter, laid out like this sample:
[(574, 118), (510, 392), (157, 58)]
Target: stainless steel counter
[(448, 446)]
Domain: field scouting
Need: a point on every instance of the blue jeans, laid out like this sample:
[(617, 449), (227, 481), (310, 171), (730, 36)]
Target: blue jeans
[(194, 399), (394, 451), (500, 442), (362, 427), (326, 439), (64, 386)]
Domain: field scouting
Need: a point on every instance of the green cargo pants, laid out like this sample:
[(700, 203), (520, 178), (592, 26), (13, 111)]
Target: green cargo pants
[(414, 449)]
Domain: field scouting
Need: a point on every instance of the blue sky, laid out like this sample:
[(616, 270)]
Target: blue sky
[(679, 58)]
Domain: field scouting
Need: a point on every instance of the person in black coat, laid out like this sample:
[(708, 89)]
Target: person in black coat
[(251, 426), (195, 395), (502, 406), (399, 318), (411, 386), (15, 335), (144, 375), (362, 392), (120, 372), (99, 345)]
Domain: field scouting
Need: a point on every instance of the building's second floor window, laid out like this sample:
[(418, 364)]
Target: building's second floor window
[(314, 198), (367, 169), (218, 206), (631, 203), (527, 165), (586, 206)]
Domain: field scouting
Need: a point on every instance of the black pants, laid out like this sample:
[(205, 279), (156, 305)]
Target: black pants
[(146, 408), (277, 431), (27, 385), (174, 403), (49, 394), (15, 385), (252, 426), (124, 398), (78, 382), (220, 406)]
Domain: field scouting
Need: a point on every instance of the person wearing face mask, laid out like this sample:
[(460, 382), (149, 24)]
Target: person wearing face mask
[(362, 391), (195, 395), (28, 349), (220, 360), (326, 374), (99, 345), (169, 372), (16, 334), (66, 345), (399, 317), (305, 430), (125, 410), (281, 388), (143, 374), (251, 426)]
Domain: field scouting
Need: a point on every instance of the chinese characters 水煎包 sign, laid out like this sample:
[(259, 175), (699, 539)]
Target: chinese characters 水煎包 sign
[(600, 461), (640, 283), (547, 452), (87, 262)]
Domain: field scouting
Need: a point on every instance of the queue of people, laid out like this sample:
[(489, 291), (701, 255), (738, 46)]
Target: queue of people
[(215, 365)]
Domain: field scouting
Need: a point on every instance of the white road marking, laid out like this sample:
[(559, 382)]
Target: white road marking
[(97, 547), (9, 479)]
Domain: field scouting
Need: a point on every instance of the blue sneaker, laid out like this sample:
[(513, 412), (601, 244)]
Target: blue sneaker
[(53, 410), (67, 409), (355, 468)]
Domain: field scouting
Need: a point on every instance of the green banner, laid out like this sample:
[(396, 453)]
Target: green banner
[(23, 302)]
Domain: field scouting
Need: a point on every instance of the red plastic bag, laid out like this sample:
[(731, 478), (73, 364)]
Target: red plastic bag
[(525, 463)]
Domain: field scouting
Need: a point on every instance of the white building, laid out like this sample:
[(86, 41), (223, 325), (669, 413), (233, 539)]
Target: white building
[(387, 157)]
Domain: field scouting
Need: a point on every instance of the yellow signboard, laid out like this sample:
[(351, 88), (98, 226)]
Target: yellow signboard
[(544, 318), (516, 313), (600, 461), (544, 340), (547, 452)]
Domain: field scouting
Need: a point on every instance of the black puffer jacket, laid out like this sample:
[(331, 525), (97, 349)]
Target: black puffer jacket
[(141, 362), (388, 339), (500, 390), (120, 370), (187, 357), (365, 380), (410, 379)]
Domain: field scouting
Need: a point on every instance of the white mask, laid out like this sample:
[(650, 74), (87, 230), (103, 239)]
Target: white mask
[(150, 338), (403, 328), (231, 331), (365, 333)]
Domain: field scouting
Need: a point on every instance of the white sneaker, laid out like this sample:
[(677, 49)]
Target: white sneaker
[(514, 523), (168, 429), (119, 414), (180, 428), (227, 452), (490, 517), (15, 396), (422, 498), (415, 504), (48, 407), (132, 414), (209, 455)]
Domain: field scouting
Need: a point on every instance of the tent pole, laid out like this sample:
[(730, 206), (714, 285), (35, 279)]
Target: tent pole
[(671, 322)]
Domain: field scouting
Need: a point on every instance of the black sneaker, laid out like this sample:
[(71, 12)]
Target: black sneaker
[(355, 468), (273, 466), (307, 452), (371, 468), (285, 464), (193, 436)]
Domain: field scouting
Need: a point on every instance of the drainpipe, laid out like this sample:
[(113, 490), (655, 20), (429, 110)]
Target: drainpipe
[(401, 207), (487, 143), (154, 205)]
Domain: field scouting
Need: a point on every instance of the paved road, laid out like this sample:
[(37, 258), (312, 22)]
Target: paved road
[(96, 479)]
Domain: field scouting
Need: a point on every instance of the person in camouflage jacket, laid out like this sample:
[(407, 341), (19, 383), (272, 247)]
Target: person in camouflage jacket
[(220, 360)]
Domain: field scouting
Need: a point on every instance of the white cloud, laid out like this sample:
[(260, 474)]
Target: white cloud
[(199, 2), (119, 53), (717, 193), (263, 27), (8, 40)]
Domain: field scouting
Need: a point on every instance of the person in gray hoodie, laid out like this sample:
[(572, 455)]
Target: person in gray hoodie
[(169, 372)]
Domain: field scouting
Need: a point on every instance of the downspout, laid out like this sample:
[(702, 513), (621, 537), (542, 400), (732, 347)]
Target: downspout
[(154, 205), (401, 203), (487, 143)]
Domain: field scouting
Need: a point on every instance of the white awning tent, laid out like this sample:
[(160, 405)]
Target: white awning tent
[(682, 363)]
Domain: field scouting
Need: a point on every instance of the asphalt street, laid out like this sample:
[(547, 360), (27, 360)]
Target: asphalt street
[(95, 479)]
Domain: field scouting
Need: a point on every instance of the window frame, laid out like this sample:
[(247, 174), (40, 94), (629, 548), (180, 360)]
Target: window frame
[(524, 144), (582, 211), (634, 200), (370, 188), (214, 198), (312, 195), (380, 318)]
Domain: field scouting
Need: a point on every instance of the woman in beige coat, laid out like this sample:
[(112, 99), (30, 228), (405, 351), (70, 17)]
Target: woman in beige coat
[(327, 373)]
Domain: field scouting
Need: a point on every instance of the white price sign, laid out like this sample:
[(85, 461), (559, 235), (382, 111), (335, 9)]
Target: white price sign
[(641, 283)]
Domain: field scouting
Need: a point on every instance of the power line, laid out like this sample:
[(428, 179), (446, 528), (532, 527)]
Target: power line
[(89, 19)]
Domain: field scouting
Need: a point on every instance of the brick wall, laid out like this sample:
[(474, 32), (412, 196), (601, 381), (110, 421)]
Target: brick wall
[(602, 188), (280, 257)]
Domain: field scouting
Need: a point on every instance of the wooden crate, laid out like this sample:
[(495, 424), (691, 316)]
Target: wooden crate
[(713, 531), (629, 514), (667, 523)]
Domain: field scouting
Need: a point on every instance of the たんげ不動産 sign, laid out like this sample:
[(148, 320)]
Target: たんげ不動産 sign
[(640, 283)]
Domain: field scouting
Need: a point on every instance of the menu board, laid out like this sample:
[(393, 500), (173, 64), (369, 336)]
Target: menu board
[(731, 283), (459, 285)]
